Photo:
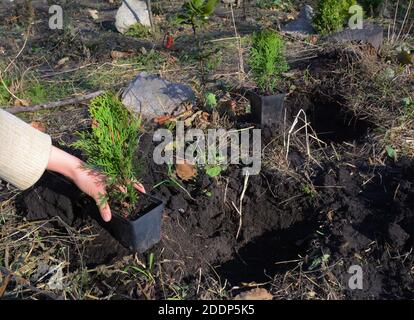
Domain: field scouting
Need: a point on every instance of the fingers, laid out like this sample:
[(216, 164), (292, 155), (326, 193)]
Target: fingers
[(105, 213), (139, 187)]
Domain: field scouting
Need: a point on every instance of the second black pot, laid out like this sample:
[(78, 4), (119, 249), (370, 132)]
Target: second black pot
[(267, 110), (141, 233)]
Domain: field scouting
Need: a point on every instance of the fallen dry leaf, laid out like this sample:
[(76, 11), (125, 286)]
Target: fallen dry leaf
[(94, 124), (62, 61), (254, 294), (121, 54), (162, 119), (313, 39), (185, 171), (21, 103), (93, 14), (38, 125), (290, 17)]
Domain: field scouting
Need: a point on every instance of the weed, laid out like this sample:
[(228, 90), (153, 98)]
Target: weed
[(319, 261), (274, 4), (391, 152), (196, 13), (5, 96), (331, 15), (138, 31), (36, 94), (150, 59), (146, 271), (267, 59), (111, 145), (210, 101), (409, 105), (309, 191)]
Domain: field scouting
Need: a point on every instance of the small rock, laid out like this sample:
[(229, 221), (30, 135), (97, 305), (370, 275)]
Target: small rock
[(303, 23), (152, 96), (254, 294), (232, 2), (94, 14), (130, 13), (178, 203), (397, 235)]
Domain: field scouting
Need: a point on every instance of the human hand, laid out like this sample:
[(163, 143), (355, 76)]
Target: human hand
[(87, 180)]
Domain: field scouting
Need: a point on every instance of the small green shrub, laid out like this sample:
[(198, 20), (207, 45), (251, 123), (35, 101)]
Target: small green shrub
[(138, 31), (111, 145), (331, 15), (36, 93), (267, 60), (196, 13), (270, 4)]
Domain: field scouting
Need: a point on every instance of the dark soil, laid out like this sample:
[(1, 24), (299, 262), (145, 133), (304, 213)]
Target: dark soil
[(354, 221), (361, 214)]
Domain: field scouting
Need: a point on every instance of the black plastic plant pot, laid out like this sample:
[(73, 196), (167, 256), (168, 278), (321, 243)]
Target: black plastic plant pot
[(141, 233), (370, 33), (267, 110)]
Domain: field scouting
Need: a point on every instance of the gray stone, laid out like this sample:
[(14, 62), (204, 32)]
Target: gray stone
[(233, 2), (303, 23), (130, 13), (152, 96), (370, 33)]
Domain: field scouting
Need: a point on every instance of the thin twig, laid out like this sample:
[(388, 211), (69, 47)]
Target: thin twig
[(241, 64), (55, 104), (240, 208)]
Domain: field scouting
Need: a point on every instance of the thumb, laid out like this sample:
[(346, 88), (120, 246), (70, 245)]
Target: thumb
[(105, 212)]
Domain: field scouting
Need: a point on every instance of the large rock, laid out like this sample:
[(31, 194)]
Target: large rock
[(130, 13), (370, 33), (303, 23), (152, 96)]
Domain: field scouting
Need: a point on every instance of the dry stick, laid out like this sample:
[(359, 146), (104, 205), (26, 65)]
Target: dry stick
[(21, 50), (65, 71), (150, 15), (408, 32), (8, 90), (222, 39), (405, 20), (395, 21), (241, 64), (291, 130), (55, 104), (240, 208)]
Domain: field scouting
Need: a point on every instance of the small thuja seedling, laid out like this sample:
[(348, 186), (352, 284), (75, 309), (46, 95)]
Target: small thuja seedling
[(110, 148), (331, 15), (267, 60)]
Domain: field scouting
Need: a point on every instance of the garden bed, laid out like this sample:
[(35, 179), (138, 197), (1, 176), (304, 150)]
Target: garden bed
[(338, 194)]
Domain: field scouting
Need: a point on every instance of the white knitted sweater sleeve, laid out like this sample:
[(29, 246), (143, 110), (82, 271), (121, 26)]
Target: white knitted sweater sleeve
[(24, 151)]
